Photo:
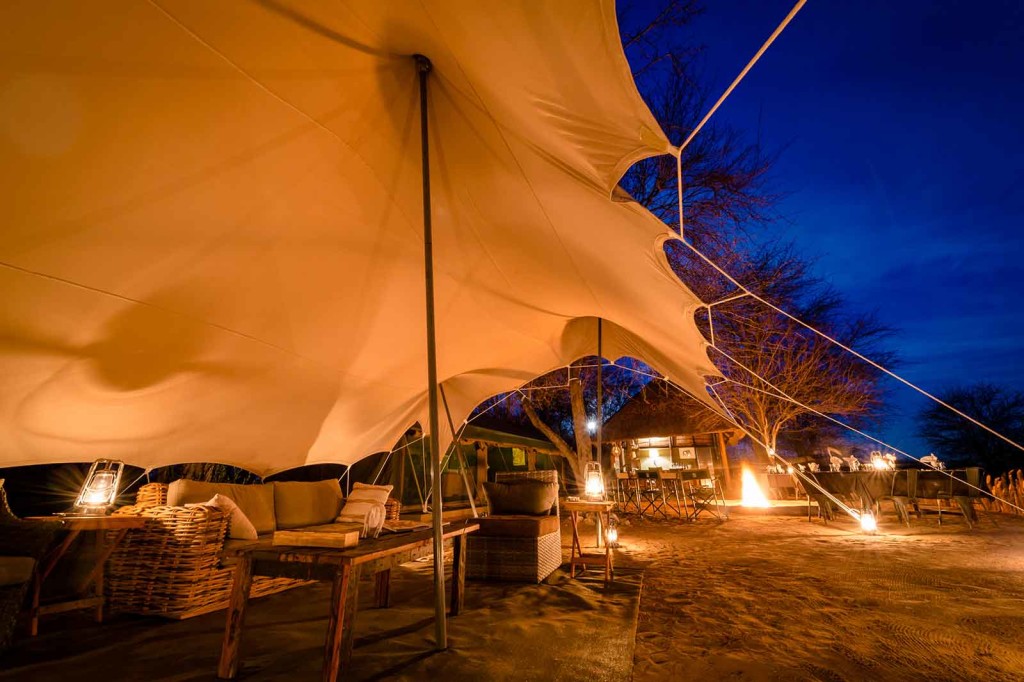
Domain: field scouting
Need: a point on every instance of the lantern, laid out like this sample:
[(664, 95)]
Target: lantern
[(100, 488), (593, 482), (611, 534), (868, 523)]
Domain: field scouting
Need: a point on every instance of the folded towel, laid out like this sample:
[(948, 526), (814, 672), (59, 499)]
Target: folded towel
[(374, 521)]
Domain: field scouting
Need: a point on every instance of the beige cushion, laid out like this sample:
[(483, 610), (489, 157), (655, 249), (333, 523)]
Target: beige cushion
[(298, 504), (255, 501), (15, 570), (517, 526), (239, 526), (521, 496), (361, 500)]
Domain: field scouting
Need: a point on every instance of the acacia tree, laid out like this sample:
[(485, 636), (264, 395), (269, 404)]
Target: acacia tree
[(959, 441), (778, 373)]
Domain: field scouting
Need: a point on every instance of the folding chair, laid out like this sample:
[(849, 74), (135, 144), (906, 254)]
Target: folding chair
[(626, 490), (669, 483), (705, 492), (650, 493)]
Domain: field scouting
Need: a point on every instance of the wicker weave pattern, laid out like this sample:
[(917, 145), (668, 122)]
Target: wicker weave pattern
[(516, 559), (392, 509), (172, 567), (513, 559)]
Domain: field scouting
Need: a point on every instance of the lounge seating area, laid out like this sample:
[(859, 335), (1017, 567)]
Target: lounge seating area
[(180, 564)]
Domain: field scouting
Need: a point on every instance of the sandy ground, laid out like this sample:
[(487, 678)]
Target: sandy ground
[(784, 599), (748, 599)]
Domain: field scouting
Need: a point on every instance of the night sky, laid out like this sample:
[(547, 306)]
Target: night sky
[(902, 129)]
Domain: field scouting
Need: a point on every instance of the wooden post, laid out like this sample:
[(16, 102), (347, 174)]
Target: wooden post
[(382, 582), (338, 643), (531, 459), (726, 471), (241, 584), (458, 574), (481, 469)]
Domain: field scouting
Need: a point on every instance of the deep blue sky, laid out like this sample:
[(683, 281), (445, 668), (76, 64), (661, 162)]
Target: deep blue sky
[(903, 128)]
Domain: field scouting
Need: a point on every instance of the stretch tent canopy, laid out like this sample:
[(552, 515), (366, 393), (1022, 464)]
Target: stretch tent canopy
[(212, 237)]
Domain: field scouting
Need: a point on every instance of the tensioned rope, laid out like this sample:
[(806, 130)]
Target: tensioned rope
[(775, 455), (745, 290), (771, 451), (725, 95), (779, 393)]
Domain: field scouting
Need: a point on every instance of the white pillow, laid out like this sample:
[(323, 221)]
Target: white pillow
[(361, 500), (239, 525)]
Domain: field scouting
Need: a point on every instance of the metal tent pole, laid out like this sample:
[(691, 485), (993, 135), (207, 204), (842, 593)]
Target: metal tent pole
[(423, 66)]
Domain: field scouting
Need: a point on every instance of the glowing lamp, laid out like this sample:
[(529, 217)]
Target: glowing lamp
[(100, 488), (593, 482), (868, 523), (611, 536), (592, 425)]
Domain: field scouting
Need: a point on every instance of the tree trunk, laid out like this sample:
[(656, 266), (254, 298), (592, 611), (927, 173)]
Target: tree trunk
[(561, 445), (579, 420)]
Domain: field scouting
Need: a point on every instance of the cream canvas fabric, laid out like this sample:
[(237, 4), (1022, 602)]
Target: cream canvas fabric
[(212, 233)]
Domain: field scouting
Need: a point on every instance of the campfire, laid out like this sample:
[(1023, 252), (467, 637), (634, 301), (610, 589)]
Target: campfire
[(753, 496)]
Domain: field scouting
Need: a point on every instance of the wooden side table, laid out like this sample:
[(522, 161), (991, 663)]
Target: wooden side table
[(105, 545), (341, 567), (577, 557)]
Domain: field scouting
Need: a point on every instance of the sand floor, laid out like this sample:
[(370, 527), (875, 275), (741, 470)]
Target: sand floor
[(783, 599)]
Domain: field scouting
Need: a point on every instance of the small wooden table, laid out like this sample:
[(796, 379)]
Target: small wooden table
[(577, 555), (106, 543), (342, 567)]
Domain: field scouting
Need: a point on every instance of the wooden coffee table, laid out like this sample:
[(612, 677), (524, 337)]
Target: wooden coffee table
[(342, 567)]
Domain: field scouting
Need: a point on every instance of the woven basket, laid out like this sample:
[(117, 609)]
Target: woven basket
[(172, 566), (392, 509)]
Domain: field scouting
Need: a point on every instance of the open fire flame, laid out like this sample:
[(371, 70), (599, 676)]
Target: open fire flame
[(753, 496)]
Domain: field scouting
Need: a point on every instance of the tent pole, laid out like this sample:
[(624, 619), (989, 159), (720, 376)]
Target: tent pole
[(456, 438), (440, 624), (600, 390)]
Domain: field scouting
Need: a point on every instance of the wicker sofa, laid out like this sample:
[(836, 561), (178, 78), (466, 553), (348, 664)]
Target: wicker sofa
[(517, 548), (179, 565)]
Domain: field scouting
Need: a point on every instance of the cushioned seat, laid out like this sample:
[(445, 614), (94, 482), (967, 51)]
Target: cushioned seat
[(522, 539), (517, 526)]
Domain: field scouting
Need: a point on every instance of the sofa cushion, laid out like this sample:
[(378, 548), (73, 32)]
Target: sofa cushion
[(517, 526), (298, 504), (522, 496), (239, 526), (15, 570), (255, 501)]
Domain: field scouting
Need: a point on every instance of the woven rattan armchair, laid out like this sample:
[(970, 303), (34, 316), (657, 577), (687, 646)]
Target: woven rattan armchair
[(21, 541), (517, 548), (172, 567)]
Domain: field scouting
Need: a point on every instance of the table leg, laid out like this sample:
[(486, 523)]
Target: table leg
[(383, 589), (458, 574), (241, 584), (340, 625), (576, 550), (43, 570), (609, 571)]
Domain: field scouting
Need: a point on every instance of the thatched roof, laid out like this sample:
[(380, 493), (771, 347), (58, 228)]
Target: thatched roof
[(659, 410)]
